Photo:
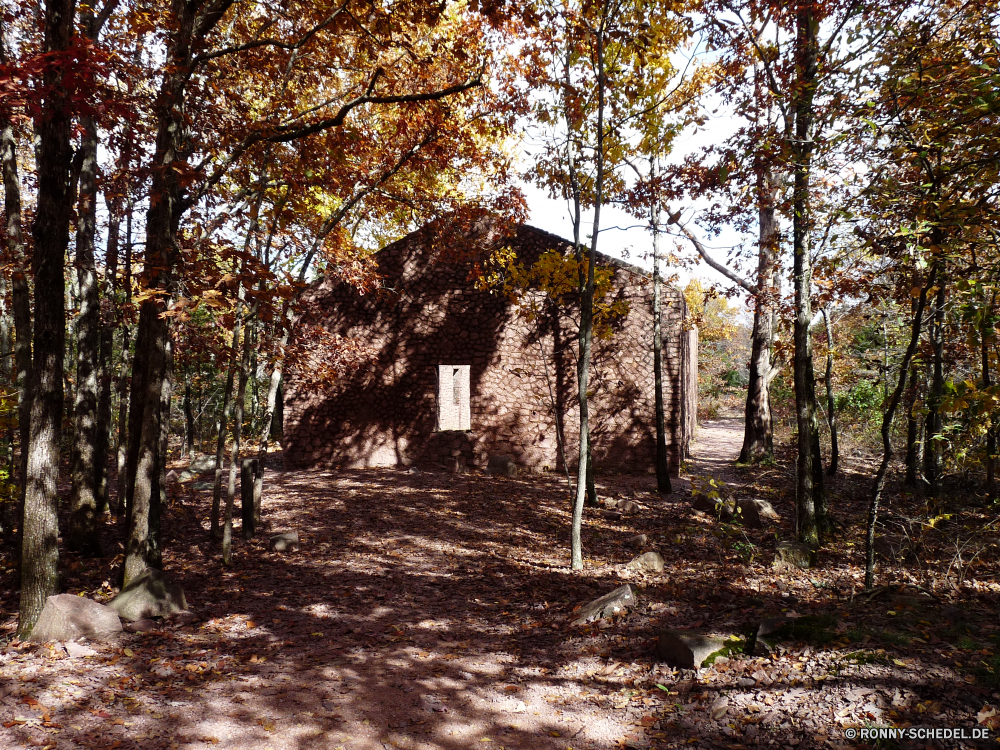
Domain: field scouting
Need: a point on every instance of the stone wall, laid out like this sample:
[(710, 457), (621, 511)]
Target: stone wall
[(430, 328)]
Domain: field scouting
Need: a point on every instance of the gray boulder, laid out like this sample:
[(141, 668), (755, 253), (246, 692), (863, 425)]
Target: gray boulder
[(501, 464), (619, 600), (794, 555), (66, 617), (765, 509), (201, 464), (687, 650), (148, 595), (285, 542), (628, 506), (648, 562)]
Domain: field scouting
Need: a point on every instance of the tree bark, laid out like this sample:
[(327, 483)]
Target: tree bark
[(831, 405), (122, 384), (40, 551), (587, 312), (83, 534), (662, 458), (991, 436), (234, 460), (187, 447), (104, 368), (758, 434), (227, 404), (20, 295)]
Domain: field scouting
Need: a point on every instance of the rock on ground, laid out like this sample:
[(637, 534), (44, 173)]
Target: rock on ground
[(650, 562), (66, 617), (149, 595), (687, 650), (620, 599), (794, 555), (286, 542), (501, 464), (749, 514), (637, 542)]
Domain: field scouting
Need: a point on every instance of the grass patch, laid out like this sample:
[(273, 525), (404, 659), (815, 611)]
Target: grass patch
[(866, 657), (988, 671), (895, 639)]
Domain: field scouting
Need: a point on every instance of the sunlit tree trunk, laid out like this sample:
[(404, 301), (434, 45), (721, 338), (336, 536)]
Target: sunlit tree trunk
[(662, 458), (234, 461), (831, 405)]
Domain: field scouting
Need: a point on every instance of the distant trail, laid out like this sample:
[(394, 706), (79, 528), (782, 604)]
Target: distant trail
[(716, 448)]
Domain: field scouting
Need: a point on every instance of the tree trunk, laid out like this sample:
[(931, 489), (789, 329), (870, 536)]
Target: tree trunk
[(241, 393), (227, 403), (887, 418), (40, 550), (933, 441), (807, 525), (912, 431), (20, 297), (662, 459), (991, 438), (104, 367), (83, 534), (831, 405), (266, 431), (758, 434), (587, 313), (122, 386), (187, 448)]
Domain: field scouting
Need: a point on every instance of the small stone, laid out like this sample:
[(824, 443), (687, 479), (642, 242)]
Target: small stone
[(501, 464), (285, 542), (620, 599), (150, 594), (172, 477), (78, 650), (66, 617), (703, 503), (201, 464), (628, 506), (649, 562), (748, 514), (719, 708), (637, 542), (765, 509), (687, 650), (794, 555), (140, 626), (612, 515)]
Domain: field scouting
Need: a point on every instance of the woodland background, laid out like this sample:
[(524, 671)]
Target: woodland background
[(175, 173)]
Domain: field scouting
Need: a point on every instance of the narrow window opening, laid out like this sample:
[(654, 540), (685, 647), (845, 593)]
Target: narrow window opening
[(453, 398)]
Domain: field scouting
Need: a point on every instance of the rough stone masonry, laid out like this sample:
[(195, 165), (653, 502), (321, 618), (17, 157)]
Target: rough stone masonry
[(455, 374)]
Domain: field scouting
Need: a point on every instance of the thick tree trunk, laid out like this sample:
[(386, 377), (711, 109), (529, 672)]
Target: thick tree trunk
[(83, 534), (807, 521), (831, 405), (933, 442), (887, 419), (234, 460), (40, 550)]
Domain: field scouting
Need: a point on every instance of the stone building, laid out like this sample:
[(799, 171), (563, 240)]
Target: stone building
[(455, 375)]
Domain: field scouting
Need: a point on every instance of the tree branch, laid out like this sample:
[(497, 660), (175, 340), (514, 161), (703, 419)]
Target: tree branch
[(724, 270)]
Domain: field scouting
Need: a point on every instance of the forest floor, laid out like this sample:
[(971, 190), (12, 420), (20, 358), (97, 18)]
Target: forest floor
[(428, 610)]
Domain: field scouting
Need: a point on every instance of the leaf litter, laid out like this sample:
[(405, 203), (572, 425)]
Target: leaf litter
[(429, 610)]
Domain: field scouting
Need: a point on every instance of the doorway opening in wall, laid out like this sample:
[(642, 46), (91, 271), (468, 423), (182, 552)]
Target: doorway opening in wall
[(453, 398)]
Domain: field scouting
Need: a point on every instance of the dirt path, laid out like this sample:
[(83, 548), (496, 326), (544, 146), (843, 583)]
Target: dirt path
[(716, 448)]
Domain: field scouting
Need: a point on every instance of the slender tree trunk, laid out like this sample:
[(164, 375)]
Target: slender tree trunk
[(758, 434), (912, 433), (187, 447), (227, 403), (887, 418), (234, 461), (20, 297), (662, 459), (122, 385), (807, 523), (831, 405), (933, 442), (83, 534), (991, 436), (104, 367), (40, 550), (587, 312), (266, 430)]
